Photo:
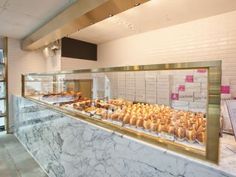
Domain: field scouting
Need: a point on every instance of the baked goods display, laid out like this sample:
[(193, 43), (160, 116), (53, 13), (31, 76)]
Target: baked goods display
[(159, 120), (163, 120), (62, 97)]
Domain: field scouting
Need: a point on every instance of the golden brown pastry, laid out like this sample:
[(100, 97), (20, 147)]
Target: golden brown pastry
[(171, 129), (133, 120), (180, 132), (201, 137), (153, 126), (139, 122), (161, 127), (191, 135), (126, 119), (147, 124), (114, 116), (121, 116)]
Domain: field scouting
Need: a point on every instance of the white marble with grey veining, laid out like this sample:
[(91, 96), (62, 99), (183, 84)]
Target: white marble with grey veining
[(68, 147)]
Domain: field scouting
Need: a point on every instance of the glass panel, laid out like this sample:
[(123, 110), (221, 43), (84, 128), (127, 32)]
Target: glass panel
[(1, 72), (1, 56), (2, 90), (2, 122), (169, 104), (2, 107)]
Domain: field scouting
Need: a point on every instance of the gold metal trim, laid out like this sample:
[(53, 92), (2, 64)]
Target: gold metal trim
[(213, 114), (5, 55), (170, 66)]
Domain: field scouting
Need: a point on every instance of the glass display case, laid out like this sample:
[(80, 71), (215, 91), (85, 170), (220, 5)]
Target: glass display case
[(176, 106)]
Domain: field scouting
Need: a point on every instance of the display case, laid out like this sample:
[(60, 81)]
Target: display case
[(175, 106)]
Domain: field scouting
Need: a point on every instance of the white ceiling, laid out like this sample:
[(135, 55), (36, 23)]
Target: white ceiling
[(152, 15), (19, 18)]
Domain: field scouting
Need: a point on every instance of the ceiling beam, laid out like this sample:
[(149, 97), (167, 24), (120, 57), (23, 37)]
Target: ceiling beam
[(79, 15)]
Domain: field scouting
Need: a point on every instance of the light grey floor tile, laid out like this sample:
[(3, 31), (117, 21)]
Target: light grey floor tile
[(15, 161)]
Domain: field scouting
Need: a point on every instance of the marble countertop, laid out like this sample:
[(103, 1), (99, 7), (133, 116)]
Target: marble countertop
[(227, 157)]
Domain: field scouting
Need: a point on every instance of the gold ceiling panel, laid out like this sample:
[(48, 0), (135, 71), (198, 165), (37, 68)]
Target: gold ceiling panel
[(81, 14)]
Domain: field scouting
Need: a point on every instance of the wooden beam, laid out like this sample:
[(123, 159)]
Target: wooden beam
[(81, 14)]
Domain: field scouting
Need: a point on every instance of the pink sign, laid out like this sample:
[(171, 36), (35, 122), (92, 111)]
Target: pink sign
[(189, 78), (181, 88), (225, 89), (175, 96), (202, 70)]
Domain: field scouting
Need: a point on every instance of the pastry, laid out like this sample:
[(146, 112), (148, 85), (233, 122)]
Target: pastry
[(126, 119), (139, 122), (147, 124), (121, 116), (114, 116), (161, 127), (201, 137), (171, 129), (133, 120), (180, 133), (153, 126), (191, 135)]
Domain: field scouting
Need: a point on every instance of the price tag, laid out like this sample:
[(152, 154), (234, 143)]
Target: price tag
[(97, 116)]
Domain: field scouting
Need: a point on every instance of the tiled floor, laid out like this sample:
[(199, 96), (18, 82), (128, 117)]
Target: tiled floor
[(15, 161)]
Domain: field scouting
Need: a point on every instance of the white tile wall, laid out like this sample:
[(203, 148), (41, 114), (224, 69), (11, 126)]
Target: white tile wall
[(212, 38)]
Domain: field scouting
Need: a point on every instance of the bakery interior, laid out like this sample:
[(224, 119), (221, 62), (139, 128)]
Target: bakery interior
[(120, 88)]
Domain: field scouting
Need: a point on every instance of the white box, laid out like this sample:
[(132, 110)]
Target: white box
[(192, 87), (200, 79), (198, 107), (186, 96), (199, 96), (163, 101)]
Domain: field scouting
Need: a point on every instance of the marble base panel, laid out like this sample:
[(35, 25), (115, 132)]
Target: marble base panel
[(69, 147)]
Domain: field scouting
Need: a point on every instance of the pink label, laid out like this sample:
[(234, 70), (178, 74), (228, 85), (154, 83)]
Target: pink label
[(189, 78), (181, 88), (175, 96), (225, 89), (201, 70)]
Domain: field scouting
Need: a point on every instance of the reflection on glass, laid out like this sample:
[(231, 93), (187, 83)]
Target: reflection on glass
[(1, 56), (2, 90), (2, 107)]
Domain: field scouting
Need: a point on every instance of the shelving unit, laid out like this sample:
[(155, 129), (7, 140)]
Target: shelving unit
[(3, 85)]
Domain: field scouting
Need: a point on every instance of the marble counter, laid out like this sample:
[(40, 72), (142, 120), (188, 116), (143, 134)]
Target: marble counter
[(69, 147)]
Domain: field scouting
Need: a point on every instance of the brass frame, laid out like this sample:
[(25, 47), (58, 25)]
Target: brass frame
[(213, 110)]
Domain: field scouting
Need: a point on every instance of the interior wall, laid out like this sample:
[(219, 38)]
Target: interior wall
[(21, 62), (212, 38), (53, 60), (68, 64)]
